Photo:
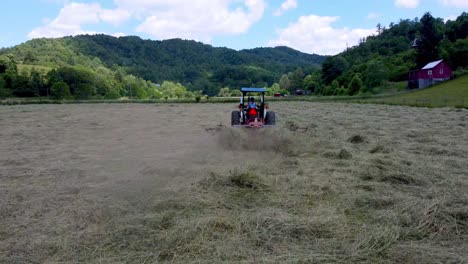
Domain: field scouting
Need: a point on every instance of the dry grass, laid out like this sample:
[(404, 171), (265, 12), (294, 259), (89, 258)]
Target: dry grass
[(333, 183)]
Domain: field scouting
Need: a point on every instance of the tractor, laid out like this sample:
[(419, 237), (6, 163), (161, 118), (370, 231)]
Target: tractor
[(253, 113)]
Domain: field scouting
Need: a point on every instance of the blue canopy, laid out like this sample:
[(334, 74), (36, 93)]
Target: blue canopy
[(255, 90)]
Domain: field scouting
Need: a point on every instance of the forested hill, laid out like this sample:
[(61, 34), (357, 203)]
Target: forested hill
[(196, 65), (391, 53)]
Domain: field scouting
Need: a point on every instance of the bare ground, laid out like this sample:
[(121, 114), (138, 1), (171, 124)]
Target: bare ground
[(155, 183)]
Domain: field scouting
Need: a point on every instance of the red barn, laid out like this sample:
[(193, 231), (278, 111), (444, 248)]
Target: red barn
[(434, 72)]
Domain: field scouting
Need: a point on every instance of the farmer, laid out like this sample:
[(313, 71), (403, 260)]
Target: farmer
[(252, 108), (252, 103)]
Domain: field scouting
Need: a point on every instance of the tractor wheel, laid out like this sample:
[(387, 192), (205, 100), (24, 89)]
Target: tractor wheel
[(235, 118), (270, 118)]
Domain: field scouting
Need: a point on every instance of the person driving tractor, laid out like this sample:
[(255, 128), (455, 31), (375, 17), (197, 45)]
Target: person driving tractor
[(252, 103), (252, 107)]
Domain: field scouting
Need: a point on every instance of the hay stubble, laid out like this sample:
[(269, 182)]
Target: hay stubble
[(155, 183)]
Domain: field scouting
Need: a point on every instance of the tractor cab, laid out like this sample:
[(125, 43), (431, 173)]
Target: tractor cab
[(253, 112)]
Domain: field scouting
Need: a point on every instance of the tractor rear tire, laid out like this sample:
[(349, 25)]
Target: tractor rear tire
[(270, 119), (235, 118)]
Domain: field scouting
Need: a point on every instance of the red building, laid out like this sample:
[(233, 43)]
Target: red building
[(434, 72)]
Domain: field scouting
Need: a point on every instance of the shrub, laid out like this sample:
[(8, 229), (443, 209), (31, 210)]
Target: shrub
[(60, 90), (113, 94), (84, 91)]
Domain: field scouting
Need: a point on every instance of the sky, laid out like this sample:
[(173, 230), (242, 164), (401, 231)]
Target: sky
[(324, 27)]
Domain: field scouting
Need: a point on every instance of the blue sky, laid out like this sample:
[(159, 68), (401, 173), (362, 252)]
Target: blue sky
[(312, 26)]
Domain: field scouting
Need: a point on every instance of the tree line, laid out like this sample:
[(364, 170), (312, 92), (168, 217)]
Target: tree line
[(195, 65), (81, 82)]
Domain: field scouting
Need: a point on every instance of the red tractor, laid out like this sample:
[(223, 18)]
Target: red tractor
[(253, 113)]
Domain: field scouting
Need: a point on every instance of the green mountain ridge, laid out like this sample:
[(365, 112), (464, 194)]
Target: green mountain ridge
[(194, 64)]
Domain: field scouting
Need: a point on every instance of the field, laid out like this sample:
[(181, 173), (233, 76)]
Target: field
[(146, 183), (453, 93)]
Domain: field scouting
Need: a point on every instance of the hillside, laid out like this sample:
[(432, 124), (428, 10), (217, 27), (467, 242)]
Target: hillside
[(194, 64), (455, 89), (391, 53), (451, 93)]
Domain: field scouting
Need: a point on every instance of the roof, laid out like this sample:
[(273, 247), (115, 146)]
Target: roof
[(431, 65), (255, 90)]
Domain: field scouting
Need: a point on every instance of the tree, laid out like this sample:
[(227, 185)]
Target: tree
[(236, 92), (355, 85), (332, 68), (104, 81), (9, 70), (427, 45), (4, 91), (80, 79), (275, 88), (297, 79), (37, 83), (112, 94), (379, 29), (335, 85), (376, 73), (224, 92), (457, 29), (52, 77), (60, 90), (456, 54), (284, 82), (29, 58), (21, 87), (311, 83), (331, 89), (84, 91), (174, 90), (342, 91)]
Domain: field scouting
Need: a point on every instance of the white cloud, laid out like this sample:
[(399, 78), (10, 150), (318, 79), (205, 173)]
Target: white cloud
[(455, 3), (372, 16), (452, 17), (69, 21), (315, 34), (287, 4), (196, 19), (73, 15), (114, 16), (407, 3), (119, 34), (199, 20)]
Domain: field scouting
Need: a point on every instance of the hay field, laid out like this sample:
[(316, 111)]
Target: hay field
[(332, 183), (453, 93)]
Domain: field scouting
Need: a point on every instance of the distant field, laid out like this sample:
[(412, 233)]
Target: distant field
[(149, 183), (453, 93)]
